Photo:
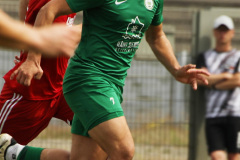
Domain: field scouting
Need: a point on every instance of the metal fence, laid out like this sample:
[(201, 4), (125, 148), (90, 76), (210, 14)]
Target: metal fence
[(156, 108)]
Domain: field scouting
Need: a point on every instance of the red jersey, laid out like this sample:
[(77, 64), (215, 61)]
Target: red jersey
[(50, 85)]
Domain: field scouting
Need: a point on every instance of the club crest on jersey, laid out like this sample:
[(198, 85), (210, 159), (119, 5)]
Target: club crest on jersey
[(134, 29), (149, 4)]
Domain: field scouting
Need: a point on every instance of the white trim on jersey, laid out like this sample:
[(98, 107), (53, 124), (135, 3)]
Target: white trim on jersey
[(7, 108)]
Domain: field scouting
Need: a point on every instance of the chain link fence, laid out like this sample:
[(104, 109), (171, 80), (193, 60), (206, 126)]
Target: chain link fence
[(155, 107)]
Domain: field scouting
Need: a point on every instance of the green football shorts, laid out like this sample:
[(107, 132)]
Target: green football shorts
[(93, 101)]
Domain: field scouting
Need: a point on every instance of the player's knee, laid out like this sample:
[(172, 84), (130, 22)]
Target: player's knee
[(131, 152), (127, 153)]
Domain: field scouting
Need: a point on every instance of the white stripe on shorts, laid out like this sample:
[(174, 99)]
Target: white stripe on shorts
[(7, 107)]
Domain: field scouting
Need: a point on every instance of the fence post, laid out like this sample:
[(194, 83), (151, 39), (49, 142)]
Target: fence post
[(197, 143)]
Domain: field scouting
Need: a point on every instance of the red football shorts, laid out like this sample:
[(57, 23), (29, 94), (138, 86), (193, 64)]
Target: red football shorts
[(25, 119)]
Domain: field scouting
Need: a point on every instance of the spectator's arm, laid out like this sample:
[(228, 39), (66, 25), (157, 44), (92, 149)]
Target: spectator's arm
[(214, 79), (230, 83)]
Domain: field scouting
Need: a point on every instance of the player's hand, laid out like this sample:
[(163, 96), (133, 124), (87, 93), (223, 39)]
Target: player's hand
[(59, 39), (16, 60), (190, 75), (28, 70)]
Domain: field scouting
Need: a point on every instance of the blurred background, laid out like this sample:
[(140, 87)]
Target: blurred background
[(165, 117)]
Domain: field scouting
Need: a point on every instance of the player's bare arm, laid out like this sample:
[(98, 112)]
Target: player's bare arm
[(164, 53), (31, 67), (39, 39), (24, 73), (52, 10), (11, 34), (23, 9)]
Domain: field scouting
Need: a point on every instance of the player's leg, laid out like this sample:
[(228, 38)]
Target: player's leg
[(79, 143), (23, 119), (62, 110), (51, 154), (97, 109), (233, 138), (115, 138), (14, 118), (86, 148), (11, 150), (215, 137)]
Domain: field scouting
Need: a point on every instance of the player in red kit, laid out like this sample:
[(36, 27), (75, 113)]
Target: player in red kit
[(26, 110)]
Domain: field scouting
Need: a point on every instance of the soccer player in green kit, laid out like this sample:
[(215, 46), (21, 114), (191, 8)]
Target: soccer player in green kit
[(94, 80)]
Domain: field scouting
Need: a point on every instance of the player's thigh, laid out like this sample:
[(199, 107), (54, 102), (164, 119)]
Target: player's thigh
[(233, 134), (63, 111), (24, 119), (10, 110), (215, 134), (86, 148), (113, 136), (93, 102)]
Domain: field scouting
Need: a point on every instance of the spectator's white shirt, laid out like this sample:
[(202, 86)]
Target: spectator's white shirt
[(222, 103)]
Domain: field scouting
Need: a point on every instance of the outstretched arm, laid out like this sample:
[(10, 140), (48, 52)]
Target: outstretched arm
[(23, 4), (45, 17), (31, 67), (11, 34), (164, 53), (38, 39)]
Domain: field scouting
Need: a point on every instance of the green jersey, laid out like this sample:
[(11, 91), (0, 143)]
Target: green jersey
[(112, 31)]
